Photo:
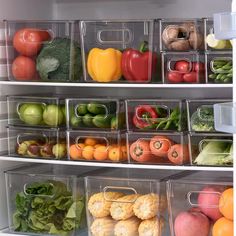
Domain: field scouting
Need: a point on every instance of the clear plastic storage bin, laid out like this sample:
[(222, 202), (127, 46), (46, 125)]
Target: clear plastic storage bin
[(85, 113), (34, 143), (98, 146), (42, 201), (155, 115), (118, 51), (209, 149), (201, 115), (36, 111), (219, 68), (46, 51), (186, 67), (181, 34), (158, 148)]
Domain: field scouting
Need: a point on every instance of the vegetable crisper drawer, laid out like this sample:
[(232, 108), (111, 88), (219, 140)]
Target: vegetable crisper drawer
[(118, 51), (102, 114), (125, 206), (196, 204), (98, 146), (43, 202), (36, 111), (211, 149), (155, 115), (45, 51), (34, 143)]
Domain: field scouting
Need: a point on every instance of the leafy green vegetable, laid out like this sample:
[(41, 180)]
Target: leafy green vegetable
[(48, 207), (60, 59)]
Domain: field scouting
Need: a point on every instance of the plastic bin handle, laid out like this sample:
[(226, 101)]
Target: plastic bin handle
[(25, 135), (37, 195), (171, 63), (212, 67), (201, 145)]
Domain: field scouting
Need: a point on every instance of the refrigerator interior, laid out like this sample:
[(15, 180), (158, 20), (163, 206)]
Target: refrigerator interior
[(105, 9)]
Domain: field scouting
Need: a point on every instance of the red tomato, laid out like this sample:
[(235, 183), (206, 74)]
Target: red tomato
[(191, 77), (182, 66), (23, 68), (175, 77), (198, 66)]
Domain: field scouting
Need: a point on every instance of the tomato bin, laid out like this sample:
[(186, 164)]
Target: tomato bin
[(199, 205), (118, 51), (95, 113), (44, 51), (186, 67), (36, 111)]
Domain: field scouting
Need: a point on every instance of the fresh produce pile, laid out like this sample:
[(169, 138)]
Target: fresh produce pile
[(222, 71), (127, 215), (39, 114), (213, 216), (41, 57), (54, 148), (184, 71), (48, 207), (97, 149), (159, 149), (214, 43)]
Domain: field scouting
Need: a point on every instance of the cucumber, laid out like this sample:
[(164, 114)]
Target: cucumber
[(118, 122), (88, 120), (96, 108), (82, 109), (102, 121), (76, 121)]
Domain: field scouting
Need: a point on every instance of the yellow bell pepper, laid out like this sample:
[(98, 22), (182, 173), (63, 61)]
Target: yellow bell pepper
[(104, 65)]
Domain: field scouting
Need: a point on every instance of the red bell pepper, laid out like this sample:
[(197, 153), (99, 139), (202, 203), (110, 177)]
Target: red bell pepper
[(139, 65), (144, 116)]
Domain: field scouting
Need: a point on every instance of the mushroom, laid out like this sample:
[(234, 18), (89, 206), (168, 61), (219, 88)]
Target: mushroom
[(195, 40), (180, 45)]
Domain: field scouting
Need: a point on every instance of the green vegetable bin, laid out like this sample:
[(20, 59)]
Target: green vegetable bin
[(43, 200)]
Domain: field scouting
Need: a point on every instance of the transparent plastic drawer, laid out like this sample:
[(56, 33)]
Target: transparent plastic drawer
[(183, 67), (210, 149), (219, 68), (181, 34), (101, 114), (43, 202), (98, 146), (155, 115), (158, 148), (36, 111), (201, 115), (46, 51), (34, 143), (118, 51)]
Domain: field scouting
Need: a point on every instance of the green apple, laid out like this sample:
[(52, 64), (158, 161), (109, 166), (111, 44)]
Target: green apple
[(31, 113), (53, 115)]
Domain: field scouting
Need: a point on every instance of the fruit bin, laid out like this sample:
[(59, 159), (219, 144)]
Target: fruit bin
[(201, 114), (219, 67), (42, 201), (36, 111), (211, 149), (158, 148), (100, 146), (118, 51), (33, 143), (101, 114), (181, 34), (195, 205), (38, 54), (155, 115), (178, 67)]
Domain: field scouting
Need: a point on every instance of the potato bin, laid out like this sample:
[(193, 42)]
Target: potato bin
[(118, 51), (34, 143), (44, 51), (36, 111), (158, 148), (43, 202), (219, 68), (95, 114), (181, 34), (211, 149), (201, 114), (180, 68), (98, 146), (155, 115)]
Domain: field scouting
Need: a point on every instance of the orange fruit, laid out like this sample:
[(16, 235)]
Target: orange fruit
[(75, 152), (223, 227), (124, 152), (90, 141), (87, 152), (226, 203), (115, 153), (97, 145), (101, 153)]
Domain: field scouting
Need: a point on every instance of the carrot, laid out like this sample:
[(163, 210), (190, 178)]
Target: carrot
[(140, 151), (179, 154)]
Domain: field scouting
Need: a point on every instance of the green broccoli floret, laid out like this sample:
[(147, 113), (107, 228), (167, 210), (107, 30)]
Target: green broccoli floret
[(60, 59)]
